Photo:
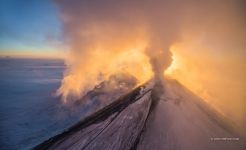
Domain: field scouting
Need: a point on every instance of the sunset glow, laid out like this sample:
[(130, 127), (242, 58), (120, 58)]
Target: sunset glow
[(200, 44)]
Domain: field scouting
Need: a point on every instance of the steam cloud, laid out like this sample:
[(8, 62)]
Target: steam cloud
[(108, 36), (100, 32)]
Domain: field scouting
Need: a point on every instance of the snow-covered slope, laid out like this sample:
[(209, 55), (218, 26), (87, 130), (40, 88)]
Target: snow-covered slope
[(152, 117), (183, 121)]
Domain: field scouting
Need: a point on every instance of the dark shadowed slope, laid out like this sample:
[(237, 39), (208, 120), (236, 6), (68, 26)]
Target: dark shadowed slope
[(151, 117)]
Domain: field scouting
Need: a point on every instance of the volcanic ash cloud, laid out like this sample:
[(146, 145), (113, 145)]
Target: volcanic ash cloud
[(109, 36), (207, 39)]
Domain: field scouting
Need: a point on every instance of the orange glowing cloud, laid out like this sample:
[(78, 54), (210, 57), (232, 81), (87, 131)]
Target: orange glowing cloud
[(207, 40)]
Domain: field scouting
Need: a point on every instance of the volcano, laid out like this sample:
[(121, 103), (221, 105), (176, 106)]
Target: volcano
[(158, 115)]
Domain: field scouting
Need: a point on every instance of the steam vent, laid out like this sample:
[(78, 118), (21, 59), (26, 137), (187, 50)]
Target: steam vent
[(159, 115)]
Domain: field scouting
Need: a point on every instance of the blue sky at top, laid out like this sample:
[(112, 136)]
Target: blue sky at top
[(29, 25)]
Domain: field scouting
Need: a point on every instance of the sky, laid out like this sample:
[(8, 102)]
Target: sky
[(203, 41), (29, 28)]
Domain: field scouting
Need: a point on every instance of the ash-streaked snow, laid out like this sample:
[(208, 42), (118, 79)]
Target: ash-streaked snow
[(163, 116)]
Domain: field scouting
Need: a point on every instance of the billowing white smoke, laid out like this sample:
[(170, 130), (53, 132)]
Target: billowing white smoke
[(108, 36)]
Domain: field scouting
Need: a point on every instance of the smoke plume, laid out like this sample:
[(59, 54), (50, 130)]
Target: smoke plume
[(135, 36), (109, 36)]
